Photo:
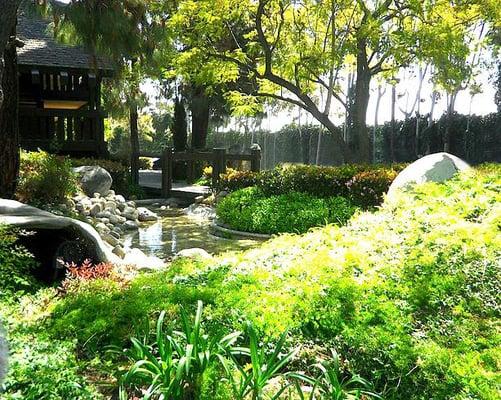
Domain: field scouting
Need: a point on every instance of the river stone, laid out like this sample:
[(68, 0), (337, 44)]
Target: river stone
[(119, 251), (193, 253), (94, 179), (110, 206), (437, 167), (146, 215), (120, 199), (130, 225), (110, 239), (117, 219), (103, 214), (130, 213), (115, 234), (95, 210)]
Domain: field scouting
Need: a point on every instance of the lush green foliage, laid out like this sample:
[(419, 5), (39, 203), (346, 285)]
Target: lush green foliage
[(252, 211), (45, 179), (407, 296), (177, 364), (16, 264), (39, 366), (363, 184)]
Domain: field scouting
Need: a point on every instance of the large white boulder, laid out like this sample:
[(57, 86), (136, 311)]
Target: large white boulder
[(437, 167), (94, 179)]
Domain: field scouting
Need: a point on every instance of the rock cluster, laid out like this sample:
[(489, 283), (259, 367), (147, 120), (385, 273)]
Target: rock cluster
[(111, 215)]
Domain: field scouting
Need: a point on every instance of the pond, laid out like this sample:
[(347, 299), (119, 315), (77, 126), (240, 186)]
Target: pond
[(176, 231)]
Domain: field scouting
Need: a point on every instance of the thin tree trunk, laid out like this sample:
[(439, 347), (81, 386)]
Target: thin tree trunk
[(380, 94), (393, 123), (319, 147), (448, 125)]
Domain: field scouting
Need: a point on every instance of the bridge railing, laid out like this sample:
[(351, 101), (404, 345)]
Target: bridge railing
[(217, 158)]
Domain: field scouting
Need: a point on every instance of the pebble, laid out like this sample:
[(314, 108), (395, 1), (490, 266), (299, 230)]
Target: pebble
[(119, 251)]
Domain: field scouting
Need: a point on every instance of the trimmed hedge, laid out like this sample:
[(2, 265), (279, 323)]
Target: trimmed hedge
[(364, 185), (251, 210)]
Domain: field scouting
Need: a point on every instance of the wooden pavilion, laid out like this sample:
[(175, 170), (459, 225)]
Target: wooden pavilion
[(59, 93)]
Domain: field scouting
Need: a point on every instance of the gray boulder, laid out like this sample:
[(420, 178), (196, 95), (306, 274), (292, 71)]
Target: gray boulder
[(94, 179), (437, 167)]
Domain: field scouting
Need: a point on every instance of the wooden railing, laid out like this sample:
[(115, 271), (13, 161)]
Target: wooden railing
[(217, 158)]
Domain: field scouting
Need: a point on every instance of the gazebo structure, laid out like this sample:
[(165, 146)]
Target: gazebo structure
[(59, 93)]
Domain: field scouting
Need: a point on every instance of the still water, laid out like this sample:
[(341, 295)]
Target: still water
[(176, 231)]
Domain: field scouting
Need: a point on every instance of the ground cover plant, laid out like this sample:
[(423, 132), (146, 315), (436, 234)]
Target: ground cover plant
[(252, 211), (406, 296)]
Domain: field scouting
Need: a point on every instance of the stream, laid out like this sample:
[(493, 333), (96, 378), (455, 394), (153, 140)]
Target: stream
[(176, 231)]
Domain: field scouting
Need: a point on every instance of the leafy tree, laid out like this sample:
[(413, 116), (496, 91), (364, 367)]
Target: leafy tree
[(127, 31), (300, 52)]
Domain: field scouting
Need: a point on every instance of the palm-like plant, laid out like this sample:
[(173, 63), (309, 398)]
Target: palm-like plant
[(253, 378), (171, 366), (330, 385)]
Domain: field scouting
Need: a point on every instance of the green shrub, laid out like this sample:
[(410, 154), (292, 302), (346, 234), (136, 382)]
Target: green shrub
[(250, 210), (363, 184), (234, 180), (145, 163), (45, 179), (16, 265)]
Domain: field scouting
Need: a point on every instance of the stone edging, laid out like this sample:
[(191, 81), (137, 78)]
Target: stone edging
[(217, 229)]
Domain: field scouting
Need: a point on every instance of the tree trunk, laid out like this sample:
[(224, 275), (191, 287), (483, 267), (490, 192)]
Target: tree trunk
[(359, 142), (8, 16), (134, 144), (199, 118), (380, 94), (393, 123), (448, 124), (9, 119)]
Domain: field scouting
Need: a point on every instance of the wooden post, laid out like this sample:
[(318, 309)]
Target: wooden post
[(218, 165), (167, 172), (189, 167), (256, 158)]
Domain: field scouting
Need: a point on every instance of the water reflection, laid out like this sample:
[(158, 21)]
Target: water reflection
[(176, 231)]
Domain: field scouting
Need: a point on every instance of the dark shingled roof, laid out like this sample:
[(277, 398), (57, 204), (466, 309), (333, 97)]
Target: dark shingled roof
[(42, 49)]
